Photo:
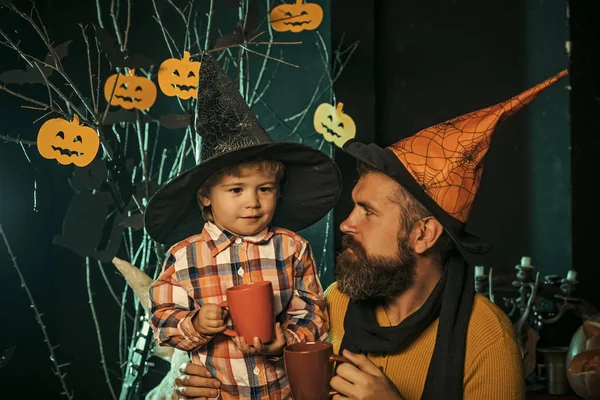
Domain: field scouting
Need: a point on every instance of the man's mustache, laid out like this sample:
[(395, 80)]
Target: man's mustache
[(348, 242)]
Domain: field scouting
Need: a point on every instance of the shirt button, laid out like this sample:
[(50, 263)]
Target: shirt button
[(240, 272), (238, 240), (256, 371)]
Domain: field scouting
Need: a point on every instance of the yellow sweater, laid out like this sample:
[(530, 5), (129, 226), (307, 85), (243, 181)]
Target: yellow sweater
[(493, 367)]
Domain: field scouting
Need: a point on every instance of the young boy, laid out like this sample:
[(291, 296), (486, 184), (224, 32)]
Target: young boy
[(244, 182)]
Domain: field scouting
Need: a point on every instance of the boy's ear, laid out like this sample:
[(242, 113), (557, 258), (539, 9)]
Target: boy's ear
[(202, 198), (205, 201)]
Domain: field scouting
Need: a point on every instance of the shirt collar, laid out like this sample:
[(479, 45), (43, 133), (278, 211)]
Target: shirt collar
[(219, 239)]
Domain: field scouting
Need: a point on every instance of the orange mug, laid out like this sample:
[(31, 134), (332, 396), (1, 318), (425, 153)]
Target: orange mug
[(250, 306), (309, 368)]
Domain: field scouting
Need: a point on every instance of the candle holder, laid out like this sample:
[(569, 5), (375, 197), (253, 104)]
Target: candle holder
[(484, 283)]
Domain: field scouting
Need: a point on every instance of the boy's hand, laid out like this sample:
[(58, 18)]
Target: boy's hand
[(210, 319), (274, 348)]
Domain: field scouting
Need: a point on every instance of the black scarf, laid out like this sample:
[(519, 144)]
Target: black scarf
[(451, 300)]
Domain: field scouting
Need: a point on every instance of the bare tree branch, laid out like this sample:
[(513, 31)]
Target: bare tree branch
[(211, 10), (87, 47), (57, 62), (98, 334), (269, 57), (162, 27), (18, 140), (128, 26), (38, 318), (99, 13), (43, 106), (115, 23)]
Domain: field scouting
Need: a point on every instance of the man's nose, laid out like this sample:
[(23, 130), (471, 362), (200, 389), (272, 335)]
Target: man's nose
[(347, 226)]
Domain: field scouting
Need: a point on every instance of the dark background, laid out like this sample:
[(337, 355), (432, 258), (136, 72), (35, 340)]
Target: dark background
[(417, 64)]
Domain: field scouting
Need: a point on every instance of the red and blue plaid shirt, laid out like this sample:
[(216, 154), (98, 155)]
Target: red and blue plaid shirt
[(201, 268)]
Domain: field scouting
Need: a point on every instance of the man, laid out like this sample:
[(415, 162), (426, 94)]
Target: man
[(403, 309)]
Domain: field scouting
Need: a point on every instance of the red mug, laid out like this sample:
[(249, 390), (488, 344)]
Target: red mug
[(250, 306), (309, 368)]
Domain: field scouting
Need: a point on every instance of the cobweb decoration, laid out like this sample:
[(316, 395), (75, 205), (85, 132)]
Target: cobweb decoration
[(447, 159)]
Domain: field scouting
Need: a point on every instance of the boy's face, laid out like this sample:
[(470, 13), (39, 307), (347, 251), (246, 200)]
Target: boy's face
[(243, 204)]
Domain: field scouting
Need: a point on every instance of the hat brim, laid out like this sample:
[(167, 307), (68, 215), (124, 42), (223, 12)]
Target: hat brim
[(310, 188), (385, 160)]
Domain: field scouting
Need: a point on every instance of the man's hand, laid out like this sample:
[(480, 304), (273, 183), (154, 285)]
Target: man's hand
[(195, 382), (210, 319), (362, 381), (275, 348)]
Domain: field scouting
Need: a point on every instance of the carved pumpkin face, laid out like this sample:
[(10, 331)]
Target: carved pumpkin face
[(68, 142), (583, 360), (296, 17), (333, 124), (179, 77), (130, 91)]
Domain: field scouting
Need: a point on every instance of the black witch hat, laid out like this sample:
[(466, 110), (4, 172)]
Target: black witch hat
[(230, 134)]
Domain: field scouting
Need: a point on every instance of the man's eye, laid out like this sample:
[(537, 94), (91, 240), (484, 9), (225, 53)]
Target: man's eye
[(368, 212)]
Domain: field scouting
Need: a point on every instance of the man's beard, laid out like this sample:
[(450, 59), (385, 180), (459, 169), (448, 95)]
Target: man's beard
[(363, 277)]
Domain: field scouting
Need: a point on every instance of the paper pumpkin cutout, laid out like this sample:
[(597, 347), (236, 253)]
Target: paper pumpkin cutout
[(131, 91), (90, 227), (179, 77), (32, 74), (68, 142), (333, 124), (296, 17)]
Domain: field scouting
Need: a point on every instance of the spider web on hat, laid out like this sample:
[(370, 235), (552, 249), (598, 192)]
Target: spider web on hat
[(447, 159), (223, 118)]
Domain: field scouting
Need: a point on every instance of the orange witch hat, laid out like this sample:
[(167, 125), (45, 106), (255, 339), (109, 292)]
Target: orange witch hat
[(446, 160)]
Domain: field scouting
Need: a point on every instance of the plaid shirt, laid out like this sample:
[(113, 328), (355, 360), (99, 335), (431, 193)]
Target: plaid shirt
[(199, 270)]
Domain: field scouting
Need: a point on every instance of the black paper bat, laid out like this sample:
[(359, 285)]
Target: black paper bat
[(115, 117), (91, 227), (135, 222), (32, 74), (8, 353), (240, 35), (176, 121), (118, 58)]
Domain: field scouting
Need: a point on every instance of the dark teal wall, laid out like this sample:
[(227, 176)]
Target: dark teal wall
[(430, 61), (549, 136)]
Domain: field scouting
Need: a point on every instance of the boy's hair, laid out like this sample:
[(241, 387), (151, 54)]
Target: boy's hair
[(274, 166)]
